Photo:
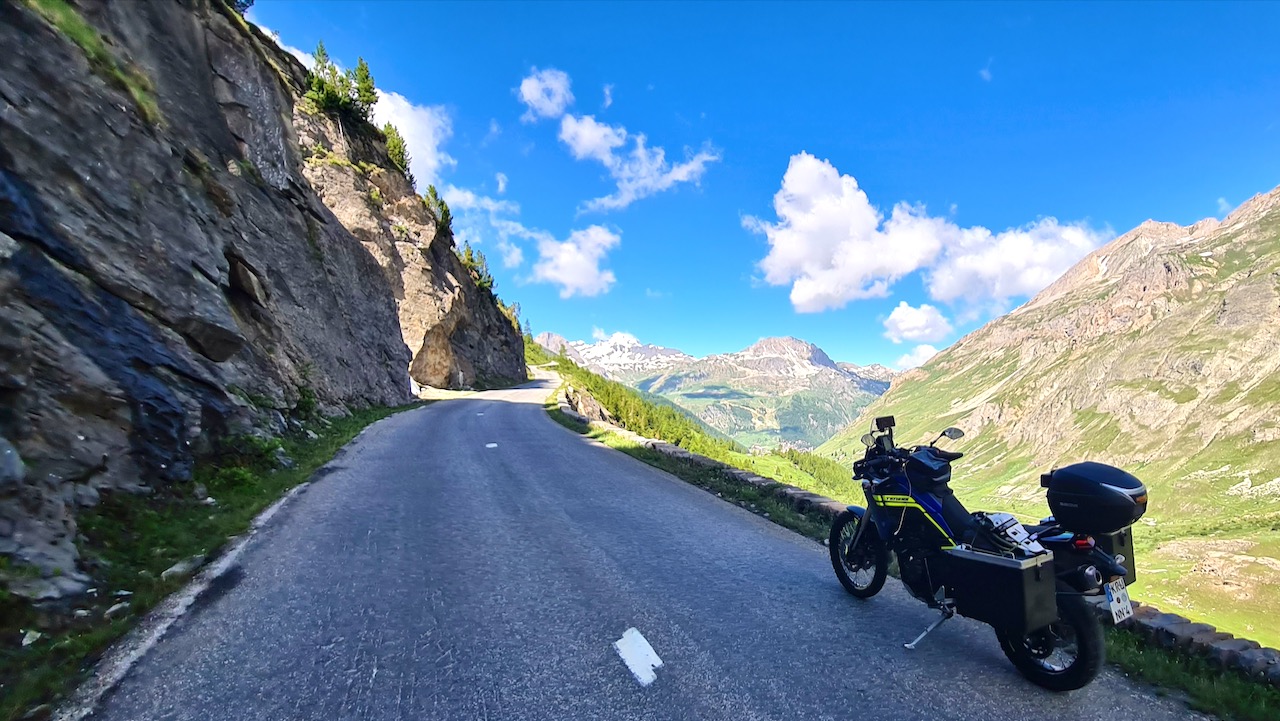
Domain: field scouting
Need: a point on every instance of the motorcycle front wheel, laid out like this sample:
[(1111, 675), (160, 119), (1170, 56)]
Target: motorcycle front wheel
[(861, 569), (1065, 655)]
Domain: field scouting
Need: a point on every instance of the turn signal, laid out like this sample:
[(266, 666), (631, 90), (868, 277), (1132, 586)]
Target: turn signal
[(1083, 543)]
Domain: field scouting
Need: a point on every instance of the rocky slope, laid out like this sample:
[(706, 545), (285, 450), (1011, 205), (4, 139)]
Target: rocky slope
[(1159, 352), (171, 275)]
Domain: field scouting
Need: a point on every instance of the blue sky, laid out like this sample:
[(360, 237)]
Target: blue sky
[(876, 179)]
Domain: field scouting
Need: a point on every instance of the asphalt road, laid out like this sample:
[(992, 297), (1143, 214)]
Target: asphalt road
[(431, 575)]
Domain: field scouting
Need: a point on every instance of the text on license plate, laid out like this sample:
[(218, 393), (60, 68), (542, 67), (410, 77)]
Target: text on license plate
[(1118, 599)]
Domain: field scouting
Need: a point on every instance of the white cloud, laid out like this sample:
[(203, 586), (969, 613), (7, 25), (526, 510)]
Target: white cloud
[(425, 129), (833, 246), (545, 93), (501, 178), (656, 294), (980, 266), (985, 72), (597, 333), (1224, 208), (608, 96), (925, 323), (640, 172), (512, 254), (917, 357), (645, 171), (494, 131), (587, 138), (574, 264)]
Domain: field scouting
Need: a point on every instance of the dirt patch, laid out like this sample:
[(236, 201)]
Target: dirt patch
[(1225, 566)]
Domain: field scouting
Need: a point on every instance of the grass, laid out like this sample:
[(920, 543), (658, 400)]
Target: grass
[(131, 540), (1226, 694), (72, 25), (758, 501)]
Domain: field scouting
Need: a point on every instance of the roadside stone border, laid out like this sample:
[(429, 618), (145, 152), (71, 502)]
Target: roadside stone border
[(1166, 630)]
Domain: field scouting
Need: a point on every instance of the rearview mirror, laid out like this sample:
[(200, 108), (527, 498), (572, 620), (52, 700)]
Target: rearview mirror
[(868, 440), (953, 433)]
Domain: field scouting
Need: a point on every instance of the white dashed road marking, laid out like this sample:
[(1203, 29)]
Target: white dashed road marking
[(639, 656), (491, 445), (480, 414)]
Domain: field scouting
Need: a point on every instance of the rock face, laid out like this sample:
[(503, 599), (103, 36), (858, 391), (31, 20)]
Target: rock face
[(458, 335), (165, 258)]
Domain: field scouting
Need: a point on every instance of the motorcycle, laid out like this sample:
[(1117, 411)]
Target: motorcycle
[(1028, 582)]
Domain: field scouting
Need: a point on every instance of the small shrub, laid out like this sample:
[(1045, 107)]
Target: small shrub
[(375, 197), (231, 478), (307, 403), (248, 451)]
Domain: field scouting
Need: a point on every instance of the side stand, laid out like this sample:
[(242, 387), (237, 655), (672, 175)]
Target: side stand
[(947, 612)]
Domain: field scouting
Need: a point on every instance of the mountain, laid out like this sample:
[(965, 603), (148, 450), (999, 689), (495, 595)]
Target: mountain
[(779, 391), (559, 344), (873, 372), (621, 356), (1160, 353)]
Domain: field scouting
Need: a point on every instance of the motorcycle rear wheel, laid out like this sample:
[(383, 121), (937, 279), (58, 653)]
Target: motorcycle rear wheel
[(861, 570), (1067, 654)]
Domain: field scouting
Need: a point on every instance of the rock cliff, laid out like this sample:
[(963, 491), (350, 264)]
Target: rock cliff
[(185, 253)]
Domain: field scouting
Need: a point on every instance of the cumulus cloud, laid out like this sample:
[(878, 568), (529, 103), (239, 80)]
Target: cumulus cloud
[(980, 266), (640, 172), (587, 138), (545, 94), (501, 179), (608, 96), (574, 264), (833, 246), (425, 129), (917, 357), (1224, 208), (925, 323)]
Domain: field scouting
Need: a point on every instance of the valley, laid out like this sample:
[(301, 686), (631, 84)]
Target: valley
[(779, 392)]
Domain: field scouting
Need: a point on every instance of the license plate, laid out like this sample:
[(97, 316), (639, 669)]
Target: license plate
[(1118, 599)]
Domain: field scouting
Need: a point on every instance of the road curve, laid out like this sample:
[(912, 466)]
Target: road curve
[(429, 574)]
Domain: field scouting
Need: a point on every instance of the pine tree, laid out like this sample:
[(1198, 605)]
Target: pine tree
[(398, 151), (365, 92), (321, 57)]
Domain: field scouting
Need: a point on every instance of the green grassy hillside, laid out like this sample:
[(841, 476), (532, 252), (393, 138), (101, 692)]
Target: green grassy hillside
[(1159, 353)]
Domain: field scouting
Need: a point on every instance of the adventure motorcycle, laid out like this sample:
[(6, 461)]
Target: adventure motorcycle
[(1027, 582)]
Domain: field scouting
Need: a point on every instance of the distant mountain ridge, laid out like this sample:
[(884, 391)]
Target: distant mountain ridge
[(776, 391)]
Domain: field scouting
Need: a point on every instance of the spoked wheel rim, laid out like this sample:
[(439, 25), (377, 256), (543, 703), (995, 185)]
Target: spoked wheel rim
[(1054, 648), (859, 563)]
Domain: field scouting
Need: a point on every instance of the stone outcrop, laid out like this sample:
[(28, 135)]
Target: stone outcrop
[(169, 273), (458, 335)]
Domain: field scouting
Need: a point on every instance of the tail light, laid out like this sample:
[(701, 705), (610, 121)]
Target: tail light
[(1083, 543)]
